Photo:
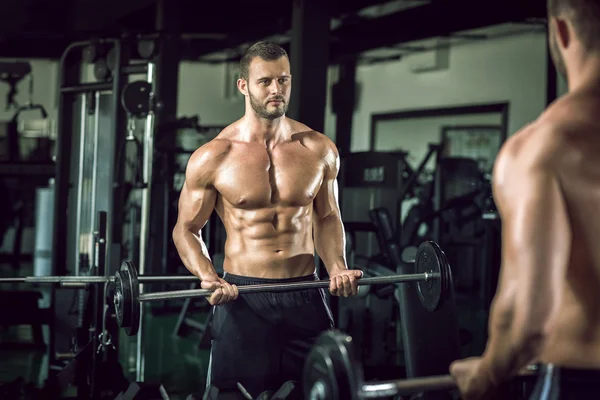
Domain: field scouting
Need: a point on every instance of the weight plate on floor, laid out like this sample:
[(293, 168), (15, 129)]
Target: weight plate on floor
[(331, 372), (433, 292)]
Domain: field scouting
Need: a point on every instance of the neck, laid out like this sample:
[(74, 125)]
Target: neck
[(263, 130), (586, 75)]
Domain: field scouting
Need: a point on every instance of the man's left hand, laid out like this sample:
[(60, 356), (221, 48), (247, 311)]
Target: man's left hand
[(344, 282), (472, 379)]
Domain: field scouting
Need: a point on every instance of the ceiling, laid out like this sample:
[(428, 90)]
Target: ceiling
[(373, 29)]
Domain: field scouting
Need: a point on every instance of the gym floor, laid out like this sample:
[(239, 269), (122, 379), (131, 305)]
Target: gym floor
[(175, 362)]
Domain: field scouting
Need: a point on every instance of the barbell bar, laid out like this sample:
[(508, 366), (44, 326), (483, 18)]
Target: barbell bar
[(432, 274), (285, 287), (332, 373), (93, 279)]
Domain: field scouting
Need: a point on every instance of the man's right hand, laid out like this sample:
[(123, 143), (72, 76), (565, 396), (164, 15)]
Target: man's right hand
[(223, 291)]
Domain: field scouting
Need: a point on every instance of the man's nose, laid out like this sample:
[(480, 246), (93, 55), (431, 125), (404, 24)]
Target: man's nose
[(276, 87)]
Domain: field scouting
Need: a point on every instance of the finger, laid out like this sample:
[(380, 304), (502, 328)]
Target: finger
[(346, 285), (215, 299), (229, 292), (236, 291), (333, 286), (340, 284), (338, 287), (354, 284)]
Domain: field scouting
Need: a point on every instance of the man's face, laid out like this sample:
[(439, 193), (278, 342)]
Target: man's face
[(557, 58), (269, 87)]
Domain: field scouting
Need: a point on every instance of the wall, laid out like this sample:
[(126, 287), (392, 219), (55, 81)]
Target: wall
[(45, 89), (413, 135), (209, 91), (509, 69), (201, 91)]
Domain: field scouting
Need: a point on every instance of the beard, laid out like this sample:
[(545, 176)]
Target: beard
[(557, 58), (268, 111)]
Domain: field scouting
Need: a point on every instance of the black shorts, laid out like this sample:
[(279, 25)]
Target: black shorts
[(554, 383), (261, 340)]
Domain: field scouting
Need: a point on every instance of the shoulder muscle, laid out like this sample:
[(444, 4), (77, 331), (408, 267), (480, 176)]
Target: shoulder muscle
[(326, 150), (204, 162), (529, 154)]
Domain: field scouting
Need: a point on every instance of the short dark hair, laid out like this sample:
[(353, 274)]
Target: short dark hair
[(585, 15), (266, 50)]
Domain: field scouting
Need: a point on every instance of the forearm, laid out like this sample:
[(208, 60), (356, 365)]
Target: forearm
[(330, 242), (509, 348), (193, 253)]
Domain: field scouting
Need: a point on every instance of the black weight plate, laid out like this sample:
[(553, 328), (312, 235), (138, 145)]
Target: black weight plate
[(136, 98), (428, 260), (330, 371), (446, 274), (121, 296), (134, 305), (146, 48), (101, 71), (319, 379)]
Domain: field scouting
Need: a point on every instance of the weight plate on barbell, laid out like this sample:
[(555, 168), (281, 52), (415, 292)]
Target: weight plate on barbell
[(126, 300), (121, 312), (331, 372), (433, 292), (446, 274)]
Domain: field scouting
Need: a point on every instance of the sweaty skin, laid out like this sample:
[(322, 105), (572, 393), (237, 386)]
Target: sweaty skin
[(272, 182), (265, 196), (547, 189)]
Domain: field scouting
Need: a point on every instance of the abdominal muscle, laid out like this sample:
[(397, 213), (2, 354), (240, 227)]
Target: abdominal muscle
[(273, 243)]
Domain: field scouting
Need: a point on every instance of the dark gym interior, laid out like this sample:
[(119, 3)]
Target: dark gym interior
[(106, 101)]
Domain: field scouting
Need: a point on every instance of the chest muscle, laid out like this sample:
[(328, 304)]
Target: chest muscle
[(259, 178)]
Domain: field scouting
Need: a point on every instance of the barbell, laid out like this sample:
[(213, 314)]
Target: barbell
[(332, 373), (432, 274), (93, 279)]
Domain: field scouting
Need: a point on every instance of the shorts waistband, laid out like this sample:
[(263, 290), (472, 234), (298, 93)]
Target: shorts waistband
[(250, 280), (579, 374)]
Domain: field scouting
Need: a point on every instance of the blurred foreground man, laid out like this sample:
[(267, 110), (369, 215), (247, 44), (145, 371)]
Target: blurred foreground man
[(547, 189)]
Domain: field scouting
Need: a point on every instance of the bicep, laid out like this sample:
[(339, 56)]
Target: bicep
[(326, 200), (195, 206)]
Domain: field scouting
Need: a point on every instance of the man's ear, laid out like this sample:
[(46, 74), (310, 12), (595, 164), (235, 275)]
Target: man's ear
[(242, 85), (564, 32)]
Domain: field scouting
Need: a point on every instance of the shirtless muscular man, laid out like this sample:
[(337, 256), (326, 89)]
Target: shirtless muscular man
[(272, 181), (547, 189)]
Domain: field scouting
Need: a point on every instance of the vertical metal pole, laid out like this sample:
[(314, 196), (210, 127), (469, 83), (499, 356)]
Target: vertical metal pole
[(94, 184), (309, 58), (438, 199), (82, 138), (343, 95), (118, 125), (148, 147), (99, 262)]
